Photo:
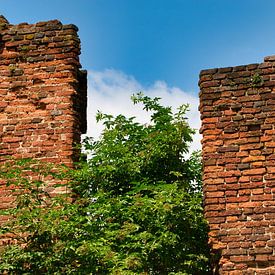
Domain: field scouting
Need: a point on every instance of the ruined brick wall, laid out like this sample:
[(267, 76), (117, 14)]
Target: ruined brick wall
[(42, 93), (237, 106)]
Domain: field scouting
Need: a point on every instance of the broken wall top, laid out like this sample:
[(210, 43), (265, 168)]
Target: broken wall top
[(237, 106), (43, 92)]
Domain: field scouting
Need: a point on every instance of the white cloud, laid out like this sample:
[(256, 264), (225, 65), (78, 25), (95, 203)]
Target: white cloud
[(110, 90)]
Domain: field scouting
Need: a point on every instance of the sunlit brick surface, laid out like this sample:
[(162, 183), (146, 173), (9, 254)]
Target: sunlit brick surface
[(237, 106), (42, 94)]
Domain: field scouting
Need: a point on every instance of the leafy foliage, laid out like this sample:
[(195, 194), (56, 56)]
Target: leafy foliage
[(136, 209)]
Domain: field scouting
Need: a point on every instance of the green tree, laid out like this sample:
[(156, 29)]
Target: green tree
[(136, 209)]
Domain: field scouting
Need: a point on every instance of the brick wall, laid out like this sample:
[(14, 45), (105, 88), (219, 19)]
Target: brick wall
[(237, 106), (42, 93)]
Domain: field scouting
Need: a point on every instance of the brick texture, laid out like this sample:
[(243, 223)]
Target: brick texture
[(43, 93), (238, 117)]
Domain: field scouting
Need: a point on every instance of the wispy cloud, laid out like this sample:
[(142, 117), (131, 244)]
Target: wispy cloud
[(110, 91)]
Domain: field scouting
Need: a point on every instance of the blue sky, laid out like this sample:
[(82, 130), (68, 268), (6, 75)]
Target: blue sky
[(171, 40), (157, 44)]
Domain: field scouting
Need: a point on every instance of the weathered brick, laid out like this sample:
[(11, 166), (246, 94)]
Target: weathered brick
[(255, 171), (34, 77), (242, 117)]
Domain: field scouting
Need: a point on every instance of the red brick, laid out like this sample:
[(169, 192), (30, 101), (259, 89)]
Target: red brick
[(26, 125), (238, 259), (241, 145), (256, 171)]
